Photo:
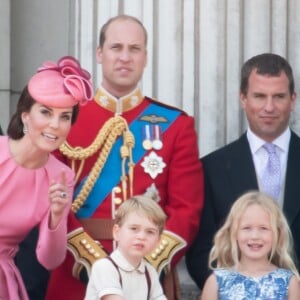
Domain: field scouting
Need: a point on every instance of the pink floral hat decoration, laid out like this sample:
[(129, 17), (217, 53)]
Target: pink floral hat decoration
[(62, 84)]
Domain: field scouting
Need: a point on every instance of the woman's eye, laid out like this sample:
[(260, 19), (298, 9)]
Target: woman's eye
[(45, 112), (66, 117)]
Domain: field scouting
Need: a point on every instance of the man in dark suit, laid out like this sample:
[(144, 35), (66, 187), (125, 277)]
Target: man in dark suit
[(267, 97)]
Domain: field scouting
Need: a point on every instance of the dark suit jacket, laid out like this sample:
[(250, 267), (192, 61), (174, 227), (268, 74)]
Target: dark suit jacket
[(228, 173)]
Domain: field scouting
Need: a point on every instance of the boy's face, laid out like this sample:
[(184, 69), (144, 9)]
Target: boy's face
[(137, 237)]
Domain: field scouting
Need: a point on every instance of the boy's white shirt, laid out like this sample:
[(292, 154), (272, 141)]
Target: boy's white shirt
[(105, 280)]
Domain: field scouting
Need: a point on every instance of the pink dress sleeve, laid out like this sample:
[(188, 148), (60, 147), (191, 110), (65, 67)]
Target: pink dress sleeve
[(52, 244)]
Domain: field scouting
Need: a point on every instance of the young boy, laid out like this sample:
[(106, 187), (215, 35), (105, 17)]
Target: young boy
[(125, 275)]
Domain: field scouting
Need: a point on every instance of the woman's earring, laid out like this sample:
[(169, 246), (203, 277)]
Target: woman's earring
[(25, 129)]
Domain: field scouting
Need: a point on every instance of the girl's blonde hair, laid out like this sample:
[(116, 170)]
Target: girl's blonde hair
[(225, 252), (142, 205)]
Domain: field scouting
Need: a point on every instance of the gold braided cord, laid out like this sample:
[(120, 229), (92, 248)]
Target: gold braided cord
[(105, 139), (129, 141), (126, 153), (77, 170), (83, 153), (93, 175)]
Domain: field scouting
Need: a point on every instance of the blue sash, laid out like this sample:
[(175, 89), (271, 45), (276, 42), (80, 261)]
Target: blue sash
[(111, 172)]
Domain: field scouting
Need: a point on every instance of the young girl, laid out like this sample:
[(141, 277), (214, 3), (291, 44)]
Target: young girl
[(252, 251), (125, 275)]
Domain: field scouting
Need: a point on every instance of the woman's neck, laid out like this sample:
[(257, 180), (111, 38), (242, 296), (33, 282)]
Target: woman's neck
[(25, 155)]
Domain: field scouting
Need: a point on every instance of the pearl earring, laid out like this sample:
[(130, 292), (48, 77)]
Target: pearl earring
[(25, 129)]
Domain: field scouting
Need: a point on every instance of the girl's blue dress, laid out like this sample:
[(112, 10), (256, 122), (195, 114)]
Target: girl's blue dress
[(235, 286)]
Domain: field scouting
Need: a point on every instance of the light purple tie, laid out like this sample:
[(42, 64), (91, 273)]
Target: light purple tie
[(271, 176)]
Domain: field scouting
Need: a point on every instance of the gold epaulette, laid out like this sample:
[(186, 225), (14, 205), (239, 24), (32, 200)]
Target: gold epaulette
[(84, 249), (161, 256)]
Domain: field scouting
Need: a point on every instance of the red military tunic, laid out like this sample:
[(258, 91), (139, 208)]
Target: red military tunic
[(169, 169)]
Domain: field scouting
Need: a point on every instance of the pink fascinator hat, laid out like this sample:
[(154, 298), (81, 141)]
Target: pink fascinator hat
[(62, 84)]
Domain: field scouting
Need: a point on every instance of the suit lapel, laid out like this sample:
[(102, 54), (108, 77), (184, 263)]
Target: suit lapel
[(240, 167), (291, 204), (242, 176)]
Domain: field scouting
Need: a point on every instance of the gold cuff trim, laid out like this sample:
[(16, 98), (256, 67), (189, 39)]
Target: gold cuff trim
[(170, 244), (84, 249)]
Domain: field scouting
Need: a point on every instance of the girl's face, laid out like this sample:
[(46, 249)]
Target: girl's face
[(254, 235), (47, 127), (137, 237)]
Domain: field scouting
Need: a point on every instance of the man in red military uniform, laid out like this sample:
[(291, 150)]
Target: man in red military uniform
[(126, 144)]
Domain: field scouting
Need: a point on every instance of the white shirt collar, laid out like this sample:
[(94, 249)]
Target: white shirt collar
[(124, 264), (282, 142)]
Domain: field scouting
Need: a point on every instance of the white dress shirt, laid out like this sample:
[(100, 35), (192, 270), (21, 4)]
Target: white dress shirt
[(260, 156)]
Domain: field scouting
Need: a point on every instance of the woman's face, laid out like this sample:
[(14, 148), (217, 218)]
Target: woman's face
[(47, 127)]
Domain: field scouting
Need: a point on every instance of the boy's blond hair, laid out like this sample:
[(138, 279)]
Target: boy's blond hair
[(142, 205)]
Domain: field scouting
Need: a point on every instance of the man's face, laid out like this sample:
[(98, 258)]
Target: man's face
[(123, 57), (268, 104)]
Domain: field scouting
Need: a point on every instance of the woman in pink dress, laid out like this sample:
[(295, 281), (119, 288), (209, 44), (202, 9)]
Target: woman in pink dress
[(35, 188)]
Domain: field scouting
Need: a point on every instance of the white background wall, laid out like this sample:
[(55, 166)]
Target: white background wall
[(196, 48), (4, 61)]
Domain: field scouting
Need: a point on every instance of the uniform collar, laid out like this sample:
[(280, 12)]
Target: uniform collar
[(118, 106)]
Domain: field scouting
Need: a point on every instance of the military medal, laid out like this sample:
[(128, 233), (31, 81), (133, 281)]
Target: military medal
[(157, 142), (147, 144), (153, 164)]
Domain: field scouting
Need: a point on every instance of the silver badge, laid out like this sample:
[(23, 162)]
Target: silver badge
[(152, 192), (153, 164)]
